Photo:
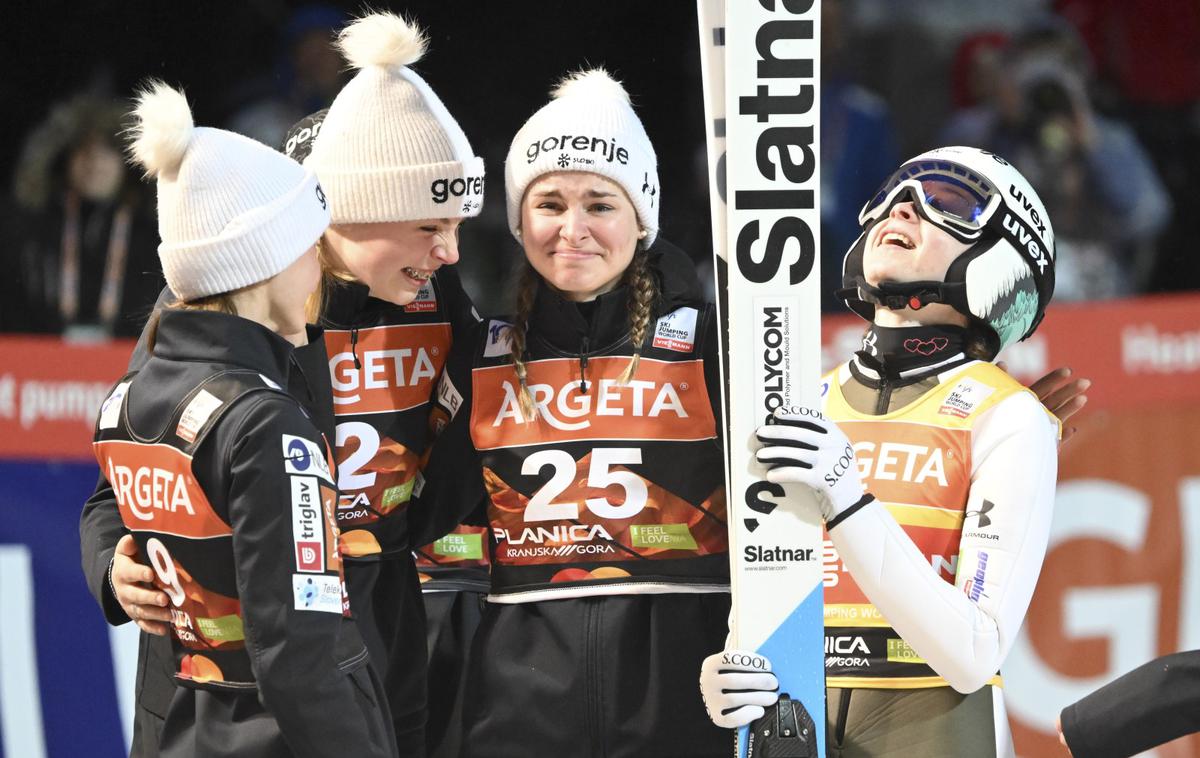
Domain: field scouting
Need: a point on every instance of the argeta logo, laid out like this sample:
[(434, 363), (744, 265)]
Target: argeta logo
[(984, 519)]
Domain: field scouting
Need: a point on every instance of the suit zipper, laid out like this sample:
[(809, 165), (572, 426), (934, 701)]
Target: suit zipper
[(583, 362), (885, 396)]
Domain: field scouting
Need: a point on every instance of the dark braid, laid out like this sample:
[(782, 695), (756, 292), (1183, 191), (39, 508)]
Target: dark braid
[(643, 293), (526, 291)]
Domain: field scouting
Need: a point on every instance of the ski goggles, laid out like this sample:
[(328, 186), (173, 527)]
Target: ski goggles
[(946, 194)]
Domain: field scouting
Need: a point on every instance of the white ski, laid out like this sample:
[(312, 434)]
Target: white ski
[(760, 61)]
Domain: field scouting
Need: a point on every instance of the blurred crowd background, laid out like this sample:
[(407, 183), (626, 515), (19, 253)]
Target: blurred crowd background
[(1096, 101)]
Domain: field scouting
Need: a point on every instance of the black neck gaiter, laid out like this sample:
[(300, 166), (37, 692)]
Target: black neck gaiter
[(902, 352)]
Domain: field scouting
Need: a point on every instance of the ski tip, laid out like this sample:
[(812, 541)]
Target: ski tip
[(382, 39), (595, 82)]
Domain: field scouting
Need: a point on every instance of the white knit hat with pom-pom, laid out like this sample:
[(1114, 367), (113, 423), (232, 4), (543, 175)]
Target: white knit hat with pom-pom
[(232, 212), (388, 149), (588, 126)]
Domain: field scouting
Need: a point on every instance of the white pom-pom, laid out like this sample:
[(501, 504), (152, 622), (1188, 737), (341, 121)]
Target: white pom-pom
[(595, 82), (382, 39), (163, 129)]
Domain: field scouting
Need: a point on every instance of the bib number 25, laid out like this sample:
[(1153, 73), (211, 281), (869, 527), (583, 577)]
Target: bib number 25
[(600, 475)]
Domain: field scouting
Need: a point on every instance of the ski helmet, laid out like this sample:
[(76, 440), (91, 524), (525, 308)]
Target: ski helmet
[(1003, 280)]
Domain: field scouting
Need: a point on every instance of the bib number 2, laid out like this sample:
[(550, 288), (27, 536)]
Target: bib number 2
[(600, 475)]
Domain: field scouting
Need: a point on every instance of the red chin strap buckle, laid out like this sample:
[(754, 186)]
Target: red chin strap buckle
[(915, 303)]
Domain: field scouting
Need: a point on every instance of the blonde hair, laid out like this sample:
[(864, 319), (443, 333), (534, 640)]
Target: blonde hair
[(643, 293), (333, 274)]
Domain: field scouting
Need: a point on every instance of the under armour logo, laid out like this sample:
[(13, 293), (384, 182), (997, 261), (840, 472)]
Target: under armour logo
[(648, 188), (869, 340), (984, 520)]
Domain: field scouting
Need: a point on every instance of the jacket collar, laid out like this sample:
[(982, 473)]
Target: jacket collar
[(349, 304), (208, 336), (563, 323)]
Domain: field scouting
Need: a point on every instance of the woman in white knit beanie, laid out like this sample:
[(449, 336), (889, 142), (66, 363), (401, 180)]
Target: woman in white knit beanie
[(401, 177), (239, 524), (396, 166), (591, 415)]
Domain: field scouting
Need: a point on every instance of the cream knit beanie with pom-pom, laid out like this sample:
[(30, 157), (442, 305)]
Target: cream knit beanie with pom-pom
[(388, 149), (588, 126), (232, 212)]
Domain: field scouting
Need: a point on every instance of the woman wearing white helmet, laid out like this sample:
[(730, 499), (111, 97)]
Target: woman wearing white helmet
[(941, 522)]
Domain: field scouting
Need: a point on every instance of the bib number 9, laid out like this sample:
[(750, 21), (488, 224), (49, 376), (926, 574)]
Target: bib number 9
[(542, 507), (164, 569)]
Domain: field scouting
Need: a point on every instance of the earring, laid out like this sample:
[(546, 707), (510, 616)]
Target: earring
[(517, 233), (642, 234)]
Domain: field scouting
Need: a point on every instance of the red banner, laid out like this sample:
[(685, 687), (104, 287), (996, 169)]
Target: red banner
[(50, 391)]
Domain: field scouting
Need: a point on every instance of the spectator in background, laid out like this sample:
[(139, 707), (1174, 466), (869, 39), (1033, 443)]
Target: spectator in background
[(1106, 198), (308, 74), (1151, 63), (85, 239), (858, 149), (976, 91)]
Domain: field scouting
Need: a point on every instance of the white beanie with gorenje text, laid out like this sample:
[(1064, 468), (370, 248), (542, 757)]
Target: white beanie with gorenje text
[(232, 212), (588, 126), (388, 149)]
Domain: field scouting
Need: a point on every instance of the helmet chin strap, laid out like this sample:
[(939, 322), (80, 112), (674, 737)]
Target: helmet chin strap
[(897, 296)]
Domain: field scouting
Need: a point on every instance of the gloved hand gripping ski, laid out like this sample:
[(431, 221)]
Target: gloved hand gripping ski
[(800, 445), (737, 687)]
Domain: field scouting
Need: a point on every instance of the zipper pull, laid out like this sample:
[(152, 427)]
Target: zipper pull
[(354, 347), (583, 361)]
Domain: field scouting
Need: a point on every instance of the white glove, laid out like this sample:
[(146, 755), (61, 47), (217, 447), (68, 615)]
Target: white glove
[(737, 686), (800, 445)]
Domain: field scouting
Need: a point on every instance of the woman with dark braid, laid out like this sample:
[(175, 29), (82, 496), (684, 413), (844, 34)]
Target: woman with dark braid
[(591, 416)]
